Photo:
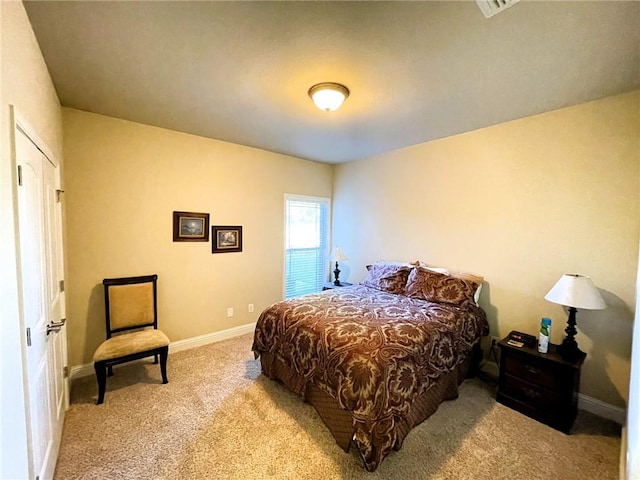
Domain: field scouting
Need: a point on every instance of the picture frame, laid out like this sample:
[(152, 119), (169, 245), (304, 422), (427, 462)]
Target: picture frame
[(190, 227), (226, 239)]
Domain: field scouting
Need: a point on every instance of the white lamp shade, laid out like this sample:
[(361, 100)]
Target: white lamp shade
[(328, 96), (338, 255), (576, 291)]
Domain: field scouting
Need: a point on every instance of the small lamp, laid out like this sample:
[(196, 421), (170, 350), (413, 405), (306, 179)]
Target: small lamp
[(574, 291), (337, 256)]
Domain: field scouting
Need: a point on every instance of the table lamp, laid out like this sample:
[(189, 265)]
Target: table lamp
[(337, 256), (574, 291)]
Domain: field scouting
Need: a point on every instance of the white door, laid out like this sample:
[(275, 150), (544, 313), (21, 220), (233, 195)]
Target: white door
[(55, 298), (42, 303)]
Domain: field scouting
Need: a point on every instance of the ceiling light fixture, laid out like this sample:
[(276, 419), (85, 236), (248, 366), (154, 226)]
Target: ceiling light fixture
[(328, 96)]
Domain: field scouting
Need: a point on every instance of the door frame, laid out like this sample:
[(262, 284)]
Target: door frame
[(18, 122)]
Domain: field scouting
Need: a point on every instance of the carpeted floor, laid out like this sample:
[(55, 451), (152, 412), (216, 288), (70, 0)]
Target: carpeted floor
[(218, 418)]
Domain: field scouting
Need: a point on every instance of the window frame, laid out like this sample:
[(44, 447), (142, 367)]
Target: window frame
[(305, 198)]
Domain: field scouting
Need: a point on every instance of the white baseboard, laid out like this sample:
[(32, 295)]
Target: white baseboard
[(602, 409), (211, 338), (87, 369), (585, 402)]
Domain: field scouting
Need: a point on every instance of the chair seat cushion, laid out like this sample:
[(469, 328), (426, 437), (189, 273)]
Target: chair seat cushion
[(130, 343)]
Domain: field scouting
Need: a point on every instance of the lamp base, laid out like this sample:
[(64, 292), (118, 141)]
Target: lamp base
[(570, 351), (336, 272)]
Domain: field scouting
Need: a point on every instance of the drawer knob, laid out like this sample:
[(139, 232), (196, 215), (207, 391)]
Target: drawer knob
[(533, 371), (530, 392)]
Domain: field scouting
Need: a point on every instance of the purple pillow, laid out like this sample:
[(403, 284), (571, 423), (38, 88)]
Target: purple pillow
[(387, 277)]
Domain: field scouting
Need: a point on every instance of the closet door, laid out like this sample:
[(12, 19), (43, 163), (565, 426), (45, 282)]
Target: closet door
[(54, 295), (42, 304)]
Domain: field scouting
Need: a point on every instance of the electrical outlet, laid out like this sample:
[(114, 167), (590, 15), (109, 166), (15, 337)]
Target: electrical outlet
[(230, 312), (250, 308)]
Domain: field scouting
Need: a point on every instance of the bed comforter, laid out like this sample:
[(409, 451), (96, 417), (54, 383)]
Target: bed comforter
[(372, 351)]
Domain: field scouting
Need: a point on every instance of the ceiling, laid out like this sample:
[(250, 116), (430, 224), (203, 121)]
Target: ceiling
[(417, 71)]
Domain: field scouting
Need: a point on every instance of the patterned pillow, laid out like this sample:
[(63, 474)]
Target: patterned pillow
[(437, 287), (388, 277), (471, 278)]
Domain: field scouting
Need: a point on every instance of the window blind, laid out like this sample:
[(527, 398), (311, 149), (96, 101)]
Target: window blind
[(306, 237)]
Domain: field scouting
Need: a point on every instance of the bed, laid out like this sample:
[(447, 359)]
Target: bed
[(375, 359)]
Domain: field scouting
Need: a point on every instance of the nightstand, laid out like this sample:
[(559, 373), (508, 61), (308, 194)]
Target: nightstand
[(543, 386), (330, 285)]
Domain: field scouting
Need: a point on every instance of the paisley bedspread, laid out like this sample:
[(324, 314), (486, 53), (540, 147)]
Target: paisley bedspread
[(374, 352)]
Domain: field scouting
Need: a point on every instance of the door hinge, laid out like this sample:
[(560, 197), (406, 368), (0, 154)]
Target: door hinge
[(65, 371), (20, 175), (62, 285), (28, 337), (58, 193)]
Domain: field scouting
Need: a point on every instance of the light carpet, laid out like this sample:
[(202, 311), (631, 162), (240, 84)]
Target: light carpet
[(219, 418)]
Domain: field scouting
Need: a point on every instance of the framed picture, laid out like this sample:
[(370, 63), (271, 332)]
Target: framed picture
[(226, 239), (190, 227)]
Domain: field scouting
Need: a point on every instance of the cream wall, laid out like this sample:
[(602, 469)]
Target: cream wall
[(520, 203), (124, 180), (24, 83), (631, 456)]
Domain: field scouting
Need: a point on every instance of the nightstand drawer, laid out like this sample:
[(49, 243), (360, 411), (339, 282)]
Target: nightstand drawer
[(531, 394), (534, 371)]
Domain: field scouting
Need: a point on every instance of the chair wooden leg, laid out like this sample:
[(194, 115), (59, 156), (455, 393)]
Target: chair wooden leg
[(164, 353), (101, 375), (110, 371), (155, 359)]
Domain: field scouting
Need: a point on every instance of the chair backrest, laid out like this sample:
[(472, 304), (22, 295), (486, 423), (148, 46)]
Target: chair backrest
[(130, 303)]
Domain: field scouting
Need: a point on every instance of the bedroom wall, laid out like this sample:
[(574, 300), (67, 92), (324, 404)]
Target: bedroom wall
[(631, 455), (124, 180), (24, 83), (520, 203)]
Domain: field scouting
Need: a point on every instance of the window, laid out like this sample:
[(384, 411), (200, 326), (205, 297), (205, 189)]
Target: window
[(306, 240)]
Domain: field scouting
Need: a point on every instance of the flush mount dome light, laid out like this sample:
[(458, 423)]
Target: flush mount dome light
[(328, 96)]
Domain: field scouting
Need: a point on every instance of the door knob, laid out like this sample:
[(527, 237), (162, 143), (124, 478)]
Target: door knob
[(55, 326)]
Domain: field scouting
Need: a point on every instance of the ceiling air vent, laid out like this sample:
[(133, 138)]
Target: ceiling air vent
[(491, 7)]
